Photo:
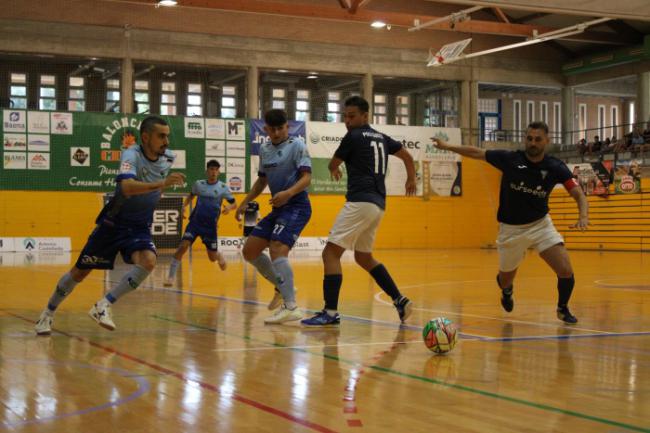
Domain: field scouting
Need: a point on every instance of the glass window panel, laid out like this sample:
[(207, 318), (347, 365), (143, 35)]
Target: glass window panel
[(302, 105), (193, 99), (168, 86), (229, 113), (278, 104), (168, 98), (113, 95), (380, 99), (76, 105), (403, 100), (48, 92), (142, 97), (143, 108), (141, 85), (47, 104), (113, 84), (380, 109), (48, 80), (302, 94), (403, 110), (111, 106), (380, 120), (18, 78), (19, 102), (333, 117), (333, 96), (227, 101), (228, 90), (76, 81), (18, 91), (302, 116), (278, 93), (76, 94), (332, 106), (194, 88), (194, 111), (169, 110)]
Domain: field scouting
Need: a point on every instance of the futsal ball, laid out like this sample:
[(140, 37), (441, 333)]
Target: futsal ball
[(440, 335)]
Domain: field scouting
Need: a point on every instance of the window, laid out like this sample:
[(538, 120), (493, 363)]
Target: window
[(582, 120), (379, 117), (543, 111), (113, 95), (516, 119), (278, 98), (613, 132), (630, 127), (530, 111), (18, 90), (302, 105), (402, 110), (47, 93), (229, 102), (76, 94), (141, 95), (168, 98), (194, 99), (333, 106), (557, 123), (488, 105), (601, 122)]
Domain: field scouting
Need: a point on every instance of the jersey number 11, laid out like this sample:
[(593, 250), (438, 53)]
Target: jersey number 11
[(380, 158)]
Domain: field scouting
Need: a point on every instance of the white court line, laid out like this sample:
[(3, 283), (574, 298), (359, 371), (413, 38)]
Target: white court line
[(315, 346), (500, 319)]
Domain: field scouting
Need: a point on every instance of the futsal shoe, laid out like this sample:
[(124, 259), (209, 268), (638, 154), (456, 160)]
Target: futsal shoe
[(565, 315), (277, 299), (322, 319), (221, 261), (168, 282), (284, 315), (506, 297), (101, 313), (404, 308), (44, 323)]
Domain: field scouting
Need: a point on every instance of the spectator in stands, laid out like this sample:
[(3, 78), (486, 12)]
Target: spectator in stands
[(637, 141), (596, 145), (582, 146), (646, 133)]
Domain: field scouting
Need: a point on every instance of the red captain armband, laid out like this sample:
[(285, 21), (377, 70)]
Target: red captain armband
[(570, 184)]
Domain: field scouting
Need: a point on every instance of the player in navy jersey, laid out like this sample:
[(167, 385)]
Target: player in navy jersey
[(285, 166), (123, 225), (365, 154), (203, 221), (526, 183)]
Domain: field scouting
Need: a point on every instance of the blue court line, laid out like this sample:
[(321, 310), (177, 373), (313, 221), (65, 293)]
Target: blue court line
[(564, 337), (143, 387)]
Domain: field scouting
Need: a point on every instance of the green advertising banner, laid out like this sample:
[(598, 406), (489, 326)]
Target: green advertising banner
[(63, 151)]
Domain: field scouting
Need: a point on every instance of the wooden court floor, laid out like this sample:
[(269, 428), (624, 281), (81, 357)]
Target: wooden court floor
[(198, 357)]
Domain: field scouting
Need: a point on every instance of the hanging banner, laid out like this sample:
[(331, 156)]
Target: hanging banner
[(627, 176), (594, 177)]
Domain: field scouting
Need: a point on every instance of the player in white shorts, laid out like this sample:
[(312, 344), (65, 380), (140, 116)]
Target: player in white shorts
[(526, 183)]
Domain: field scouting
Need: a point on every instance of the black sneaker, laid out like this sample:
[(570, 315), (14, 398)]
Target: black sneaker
[(506, 297), (565, 315), (404, 308)]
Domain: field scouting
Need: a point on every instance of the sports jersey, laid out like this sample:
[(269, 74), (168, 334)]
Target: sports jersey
[(526, 185), (282, 164), (137, 210), (365, 153), (208, 204)]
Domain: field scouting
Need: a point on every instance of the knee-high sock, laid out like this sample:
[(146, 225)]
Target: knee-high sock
[(263, 264), (331, 289), (173, 267), (564, 290), (384, 280), (285, 278), (128, 283), (63, 289)]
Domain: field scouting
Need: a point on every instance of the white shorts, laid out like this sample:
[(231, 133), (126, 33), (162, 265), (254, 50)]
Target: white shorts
[(356, 225), (514, 240)]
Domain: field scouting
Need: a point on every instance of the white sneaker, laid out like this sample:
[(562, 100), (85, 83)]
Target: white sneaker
[(101, 313), (168, 282), (44, 323), (222, 261), (284, 315), (277, 299)]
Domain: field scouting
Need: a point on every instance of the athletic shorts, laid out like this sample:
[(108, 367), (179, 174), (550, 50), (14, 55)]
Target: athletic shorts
[(514, 240), (207, 233), (106, 241), (284, 224), (356, 225)]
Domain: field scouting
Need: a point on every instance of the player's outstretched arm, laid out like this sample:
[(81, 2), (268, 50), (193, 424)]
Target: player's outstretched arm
[(335, 168), (468, 151), (231, 206), (187, 202), (407, 159), (256, 190), (135, 187), (583, 209)]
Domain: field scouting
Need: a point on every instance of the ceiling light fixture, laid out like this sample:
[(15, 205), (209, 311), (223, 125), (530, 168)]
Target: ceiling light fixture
[(312, 77), (378, 24), (167, 3)]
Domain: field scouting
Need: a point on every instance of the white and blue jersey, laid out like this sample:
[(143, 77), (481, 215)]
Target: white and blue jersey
[(282, 164), (208, 204), (136, 211)]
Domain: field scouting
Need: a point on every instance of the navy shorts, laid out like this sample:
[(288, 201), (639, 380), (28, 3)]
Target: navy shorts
[(208, 234), (106, 241), (284, 224)]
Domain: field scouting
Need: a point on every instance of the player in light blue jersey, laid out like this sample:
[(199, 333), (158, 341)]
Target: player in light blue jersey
[(203, 221), (123, 225), (285, 166)]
